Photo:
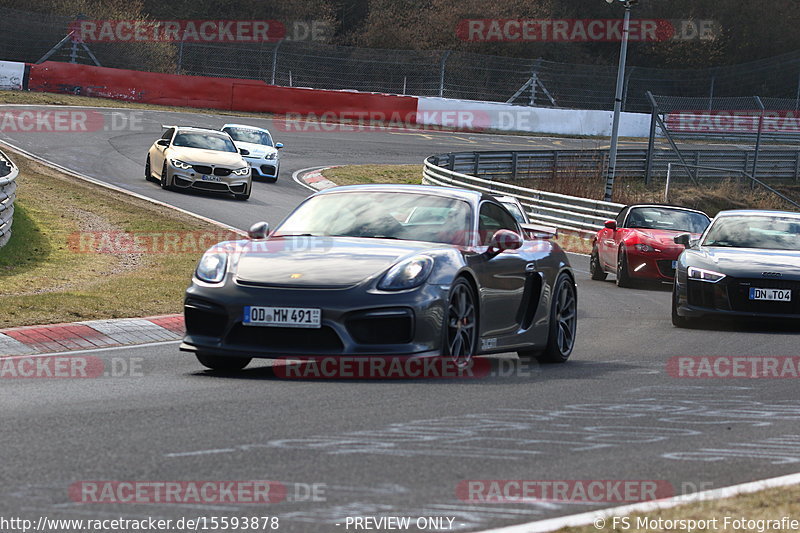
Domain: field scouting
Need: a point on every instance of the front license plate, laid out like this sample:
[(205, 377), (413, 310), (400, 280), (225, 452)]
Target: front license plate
[(210, 178), (772, 295), (282, 317)]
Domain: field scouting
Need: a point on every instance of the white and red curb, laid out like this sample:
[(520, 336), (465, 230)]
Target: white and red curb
[(92, 334), (312, 178)]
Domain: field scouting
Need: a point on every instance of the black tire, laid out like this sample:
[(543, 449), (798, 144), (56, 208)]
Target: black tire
[(623, 273), (677, 320), (165, 178), (222, 363), (563, 323), (595, 268), (460, 324), (148, 173)]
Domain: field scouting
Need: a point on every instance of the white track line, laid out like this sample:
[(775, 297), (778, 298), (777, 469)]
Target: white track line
[(296, 176), (89, 350), (598, 517)]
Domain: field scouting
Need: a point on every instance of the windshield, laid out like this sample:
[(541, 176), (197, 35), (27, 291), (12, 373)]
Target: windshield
[(382, 215), (664, 218), (515, 212), (765, 232), (204, 141), (246, 135)]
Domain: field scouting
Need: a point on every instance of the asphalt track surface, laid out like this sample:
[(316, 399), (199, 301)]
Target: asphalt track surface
[(390, 447)]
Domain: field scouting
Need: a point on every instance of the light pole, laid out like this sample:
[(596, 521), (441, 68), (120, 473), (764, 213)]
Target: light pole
[(623, 54)]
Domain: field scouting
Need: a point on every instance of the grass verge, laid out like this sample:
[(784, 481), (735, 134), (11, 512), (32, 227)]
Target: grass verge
[(36, 98), (766, 505), (49, 275)]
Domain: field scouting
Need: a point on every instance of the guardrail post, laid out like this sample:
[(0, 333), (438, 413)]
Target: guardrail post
[(797, 166), (758, 136), (477, 161), (555, 164), (514, 157), (451, 161)]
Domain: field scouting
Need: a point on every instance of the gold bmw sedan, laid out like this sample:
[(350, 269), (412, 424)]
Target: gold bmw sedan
[(201, 159)]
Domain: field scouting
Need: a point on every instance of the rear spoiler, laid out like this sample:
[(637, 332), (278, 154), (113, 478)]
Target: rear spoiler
[(538, 231)]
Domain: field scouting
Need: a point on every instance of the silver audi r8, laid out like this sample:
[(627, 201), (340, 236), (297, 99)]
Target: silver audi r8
[(746, 265), (382, 270)]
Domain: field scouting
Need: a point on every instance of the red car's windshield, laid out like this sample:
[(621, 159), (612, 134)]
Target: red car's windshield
[(662, 218)]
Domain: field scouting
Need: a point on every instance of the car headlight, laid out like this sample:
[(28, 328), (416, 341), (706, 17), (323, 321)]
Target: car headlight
[(407, 274), (641, 247), (177, 163), (271, 157), (212, 266), (244, 171), (702, 274)]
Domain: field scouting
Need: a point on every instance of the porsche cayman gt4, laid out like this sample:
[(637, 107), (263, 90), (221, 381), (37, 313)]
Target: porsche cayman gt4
[(382, 270)]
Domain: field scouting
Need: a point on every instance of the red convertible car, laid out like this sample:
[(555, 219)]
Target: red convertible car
[(639, 244)]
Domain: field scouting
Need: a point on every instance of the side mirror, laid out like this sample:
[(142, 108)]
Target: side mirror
[(163, 142), (611, 224), (244, 152), (258, 231), (503, 240), (684, 239), (278, 145)]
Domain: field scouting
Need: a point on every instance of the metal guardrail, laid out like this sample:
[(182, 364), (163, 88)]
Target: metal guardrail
[(541, 164), (569, 213), (8, 189)]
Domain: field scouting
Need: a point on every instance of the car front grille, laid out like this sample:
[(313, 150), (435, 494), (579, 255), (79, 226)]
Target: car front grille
[(739, 292), (239, 189), (665, 267), (202, 169), (733, 294), (204, 318), (222, 171), (211, 186), (382, 327), (297, 341), (267, 169)]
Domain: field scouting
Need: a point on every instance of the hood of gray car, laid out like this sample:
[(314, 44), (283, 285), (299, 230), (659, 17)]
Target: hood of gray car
[(320, 261), (747, 262)]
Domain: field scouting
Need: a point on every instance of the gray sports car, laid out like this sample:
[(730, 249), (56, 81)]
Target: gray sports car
[(381, 270), (746, 264)]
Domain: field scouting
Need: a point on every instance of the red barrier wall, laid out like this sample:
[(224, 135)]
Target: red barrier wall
[(215, 93)]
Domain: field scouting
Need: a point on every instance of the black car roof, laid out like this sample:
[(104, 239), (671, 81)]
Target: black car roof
[(450, 192)]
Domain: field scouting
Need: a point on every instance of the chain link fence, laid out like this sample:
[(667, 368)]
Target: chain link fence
[(30, 36)]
